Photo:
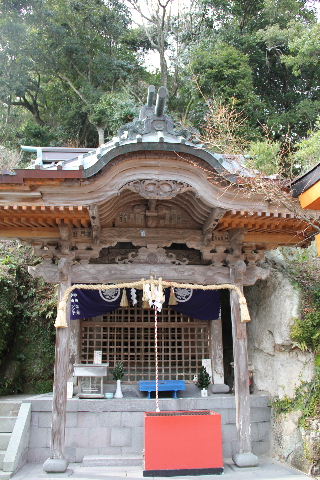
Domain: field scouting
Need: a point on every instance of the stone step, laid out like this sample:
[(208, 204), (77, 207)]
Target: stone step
[(9, 409), (2, 454), (5, 475), (4, 440), (111, 460), (7, 424)]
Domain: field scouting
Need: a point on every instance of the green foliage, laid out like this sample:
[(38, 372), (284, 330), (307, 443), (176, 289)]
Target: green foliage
[(308, 150), (283, 405), (223, 71), (304, 44), (62, 54), (34, 134), (303, 269), (112, 111), (306, 399), (264, 156), (203, 380), (278, 45), (7, 299), (118, 371), (27, 309), (305, 332)]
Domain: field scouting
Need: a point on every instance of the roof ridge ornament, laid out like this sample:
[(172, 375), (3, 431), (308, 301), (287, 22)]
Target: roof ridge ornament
[(154, 121)]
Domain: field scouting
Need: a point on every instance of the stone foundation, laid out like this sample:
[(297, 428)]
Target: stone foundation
[(113, 427)]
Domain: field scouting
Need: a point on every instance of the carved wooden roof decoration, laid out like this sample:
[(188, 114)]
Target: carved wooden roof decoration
[(153, 185)]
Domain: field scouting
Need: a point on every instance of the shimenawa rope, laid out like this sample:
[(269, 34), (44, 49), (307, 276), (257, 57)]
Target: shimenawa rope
[(61, 321)]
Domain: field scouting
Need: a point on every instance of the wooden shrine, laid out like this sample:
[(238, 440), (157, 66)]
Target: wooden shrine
[(151, 202), (307, 189)]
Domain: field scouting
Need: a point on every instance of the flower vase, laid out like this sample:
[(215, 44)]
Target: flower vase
[(118, 393)]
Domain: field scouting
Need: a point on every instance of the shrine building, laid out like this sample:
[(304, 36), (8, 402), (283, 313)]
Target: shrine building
[(152, 202), (307, 189)]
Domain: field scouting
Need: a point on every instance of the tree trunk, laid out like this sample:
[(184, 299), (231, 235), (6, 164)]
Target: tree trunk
[(100, 131), (163, 68)]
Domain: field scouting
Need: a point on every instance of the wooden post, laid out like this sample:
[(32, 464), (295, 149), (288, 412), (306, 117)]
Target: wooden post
[(244, 457), (218, 385), (57, 462), (74, 346)]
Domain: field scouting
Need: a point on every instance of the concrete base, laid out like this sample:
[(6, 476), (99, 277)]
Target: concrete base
[(55, 465), (5, 475), (219, 388), (116, 426), (245, 459), (111, 460)]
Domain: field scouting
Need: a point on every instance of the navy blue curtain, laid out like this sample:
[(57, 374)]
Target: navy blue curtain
[(91, 303), (203, 305), (200, 304)]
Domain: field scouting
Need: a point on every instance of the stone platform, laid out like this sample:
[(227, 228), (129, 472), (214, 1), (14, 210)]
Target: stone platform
[(267, 470), (116, 426)]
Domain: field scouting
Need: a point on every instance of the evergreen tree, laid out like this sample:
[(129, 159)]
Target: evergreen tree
[(204, 379)]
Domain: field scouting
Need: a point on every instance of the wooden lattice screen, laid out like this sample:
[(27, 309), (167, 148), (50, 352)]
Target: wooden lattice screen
[(127, 334)]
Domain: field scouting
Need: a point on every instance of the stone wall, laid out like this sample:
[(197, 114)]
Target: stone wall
[(278, 367), (113, 427), (299, 446)]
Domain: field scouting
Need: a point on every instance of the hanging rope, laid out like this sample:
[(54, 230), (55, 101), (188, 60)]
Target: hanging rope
[(156, 355), (61, 321)]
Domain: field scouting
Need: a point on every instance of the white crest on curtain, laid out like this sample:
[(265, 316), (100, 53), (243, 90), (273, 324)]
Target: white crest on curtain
[(183, 294), (110, 295)]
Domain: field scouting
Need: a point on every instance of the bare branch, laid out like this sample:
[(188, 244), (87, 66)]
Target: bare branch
[(69, 82)]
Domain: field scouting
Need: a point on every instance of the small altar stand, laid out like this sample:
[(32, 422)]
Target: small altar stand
[(183, 443)]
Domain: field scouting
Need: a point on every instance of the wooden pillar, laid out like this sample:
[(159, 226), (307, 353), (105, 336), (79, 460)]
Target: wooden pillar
[(218, 385), (57, 462), (74, 346), (244, 457)]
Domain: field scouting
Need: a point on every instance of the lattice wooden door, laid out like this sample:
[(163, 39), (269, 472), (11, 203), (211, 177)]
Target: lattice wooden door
[(127, 334)]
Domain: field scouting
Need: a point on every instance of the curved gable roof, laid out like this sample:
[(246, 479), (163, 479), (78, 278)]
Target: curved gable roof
[(153, 130)]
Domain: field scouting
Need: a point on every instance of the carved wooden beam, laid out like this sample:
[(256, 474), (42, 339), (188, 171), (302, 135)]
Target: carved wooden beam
[(95, 273), (141, 237)]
